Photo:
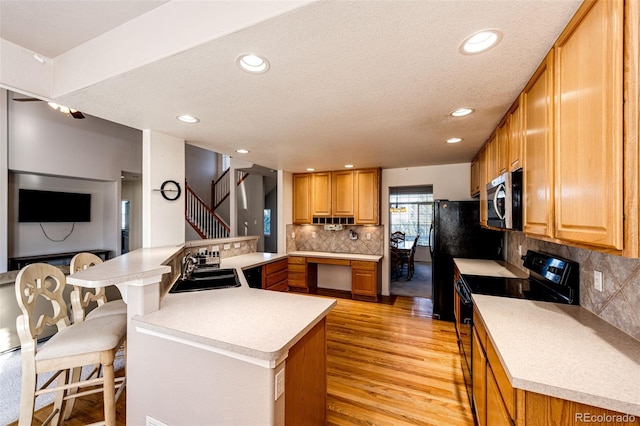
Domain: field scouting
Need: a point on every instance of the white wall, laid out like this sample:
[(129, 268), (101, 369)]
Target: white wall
[(132, 190), (450, 181), (163, 159), (4, 183)]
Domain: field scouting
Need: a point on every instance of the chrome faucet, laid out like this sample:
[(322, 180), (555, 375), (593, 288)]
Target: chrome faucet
[(188, 263)]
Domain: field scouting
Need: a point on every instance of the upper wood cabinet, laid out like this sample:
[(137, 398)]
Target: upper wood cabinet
[(501, 147), (514, 149), (537, 101), (342, 192), (367, 196), (321, 194), (475, 177), (482, 179), (588, 132), (302, 198)]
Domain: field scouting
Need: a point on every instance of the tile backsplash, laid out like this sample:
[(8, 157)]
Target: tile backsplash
[(618, 303), (315, 238)]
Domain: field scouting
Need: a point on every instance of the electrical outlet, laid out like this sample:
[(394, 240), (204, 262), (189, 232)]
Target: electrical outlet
[(519, 249), (215, 248), (293, 235), (236, 245), (597, 280), (226, 246), (368, 236), (279, 383), (313, 235)]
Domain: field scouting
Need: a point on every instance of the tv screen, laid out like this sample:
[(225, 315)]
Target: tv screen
[(51, 206)]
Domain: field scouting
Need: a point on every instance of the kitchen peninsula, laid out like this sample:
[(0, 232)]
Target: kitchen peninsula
[(236, 355)]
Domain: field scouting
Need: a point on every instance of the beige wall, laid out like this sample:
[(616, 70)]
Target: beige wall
[(618, 304)]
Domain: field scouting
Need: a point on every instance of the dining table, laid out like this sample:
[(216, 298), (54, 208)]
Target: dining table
[(406, 253)]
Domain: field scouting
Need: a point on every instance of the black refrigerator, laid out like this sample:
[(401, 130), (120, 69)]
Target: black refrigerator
[(456, 232)]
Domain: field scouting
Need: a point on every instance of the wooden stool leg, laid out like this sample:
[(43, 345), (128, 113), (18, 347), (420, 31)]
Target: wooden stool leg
[(27, 396), (75, 378), (59, 404), (109, 394)]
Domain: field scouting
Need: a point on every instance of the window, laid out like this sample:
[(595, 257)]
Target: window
[(411, 212), (267, 222), (226, 162)]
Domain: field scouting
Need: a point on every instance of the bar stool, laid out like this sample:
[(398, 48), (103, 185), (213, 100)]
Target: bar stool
[(73, 346)]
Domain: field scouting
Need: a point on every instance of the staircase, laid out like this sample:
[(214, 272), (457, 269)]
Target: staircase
[(201, 217)]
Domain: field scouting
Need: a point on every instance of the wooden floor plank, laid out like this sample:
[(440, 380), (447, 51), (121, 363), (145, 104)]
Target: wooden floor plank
[(388, 363)]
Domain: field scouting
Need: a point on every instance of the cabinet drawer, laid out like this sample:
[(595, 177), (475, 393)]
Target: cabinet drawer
[(506, 390), (297, 279), (297, 260), (272, 267), (363, 266), (298, 268), (275, 278), (283, 286), (480, 329)]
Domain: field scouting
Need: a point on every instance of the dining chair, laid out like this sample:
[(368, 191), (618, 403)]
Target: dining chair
[(72, 346), (411, 258), (398, 236)]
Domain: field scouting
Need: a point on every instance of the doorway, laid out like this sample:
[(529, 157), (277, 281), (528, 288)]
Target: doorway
[(410, 216)]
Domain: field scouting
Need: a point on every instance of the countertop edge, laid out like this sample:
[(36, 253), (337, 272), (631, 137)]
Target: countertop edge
[(600, 401), (332, 255)]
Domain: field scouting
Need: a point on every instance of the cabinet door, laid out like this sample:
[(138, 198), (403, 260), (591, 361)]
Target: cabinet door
[(514, 148), (497, 414), (482, 179), (367, 196), (502, 145), (479, 380), (474, 188), (321, 194), (588, 143), (364, 278), (538, 151), (492, 161), (302, 198), (342, 193)]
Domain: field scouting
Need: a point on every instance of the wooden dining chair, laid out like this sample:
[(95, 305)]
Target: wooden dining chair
[(398, 236), (85, 343), (82, 297), (412, 257)]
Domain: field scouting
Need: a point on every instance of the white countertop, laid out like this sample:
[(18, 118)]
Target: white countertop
[(489, 268), (251, 259), (331, 255), (242, 321), (564, 351)]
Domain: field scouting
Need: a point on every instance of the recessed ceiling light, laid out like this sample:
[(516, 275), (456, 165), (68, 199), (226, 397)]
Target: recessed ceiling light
[(253, 63), (480, 41), (39, 58), (348, 166), (311, 169), (461, 112), (454, 140), (186, 118), (242, 151)]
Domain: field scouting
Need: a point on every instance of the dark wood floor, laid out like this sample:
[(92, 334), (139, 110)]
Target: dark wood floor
[(389, 363)]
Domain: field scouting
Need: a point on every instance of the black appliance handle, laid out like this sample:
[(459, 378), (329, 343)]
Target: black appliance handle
[(464, 296), (431, 232)]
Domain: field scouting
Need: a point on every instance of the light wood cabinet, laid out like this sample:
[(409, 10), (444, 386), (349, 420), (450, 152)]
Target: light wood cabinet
[(302, 276), (342, 193), (479, 380), (364, 280), (538, 151), (321, 194), (302, 198), (588, 132), (497, 414), (516, 135), (367, 196), (275, 275), (475, 177), (482, 178), (501, 146), (352, 196)]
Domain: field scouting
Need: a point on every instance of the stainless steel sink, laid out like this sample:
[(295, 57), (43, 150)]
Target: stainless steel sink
[(206, 279)]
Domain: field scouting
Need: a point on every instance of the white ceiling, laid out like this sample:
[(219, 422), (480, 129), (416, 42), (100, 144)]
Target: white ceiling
[(364, 82)]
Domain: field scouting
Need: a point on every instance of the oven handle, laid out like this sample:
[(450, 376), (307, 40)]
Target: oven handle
[(466, 300), (495, 201)]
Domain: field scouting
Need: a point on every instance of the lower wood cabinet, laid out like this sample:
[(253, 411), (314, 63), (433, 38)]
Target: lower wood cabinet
[(303, 276), (364, 280), (479, 380), (275, 275), (497, 413)]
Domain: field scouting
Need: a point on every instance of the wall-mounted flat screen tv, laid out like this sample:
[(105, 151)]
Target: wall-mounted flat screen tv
[(52, 206)]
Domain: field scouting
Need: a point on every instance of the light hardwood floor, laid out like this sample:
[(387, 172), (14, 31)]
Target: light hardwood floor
[(389, 363)]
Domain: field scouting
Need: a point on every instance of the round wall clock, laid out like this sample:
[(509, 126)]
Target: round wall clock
[(170, 190)]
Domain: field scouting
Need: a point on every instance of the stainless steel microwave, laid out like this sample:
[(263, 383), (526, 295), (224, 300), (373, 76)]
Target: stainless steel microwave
[(504, 201)]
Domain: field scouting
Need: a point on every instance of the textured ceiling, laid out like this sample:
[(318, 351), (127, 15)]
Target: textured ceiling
[(367, 83)]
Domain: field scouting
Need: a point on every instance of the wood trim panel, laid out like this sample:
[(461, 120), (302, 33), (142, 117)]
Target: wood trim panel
[(299, 260), (480, 329), (506, 390), (328, 261)]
